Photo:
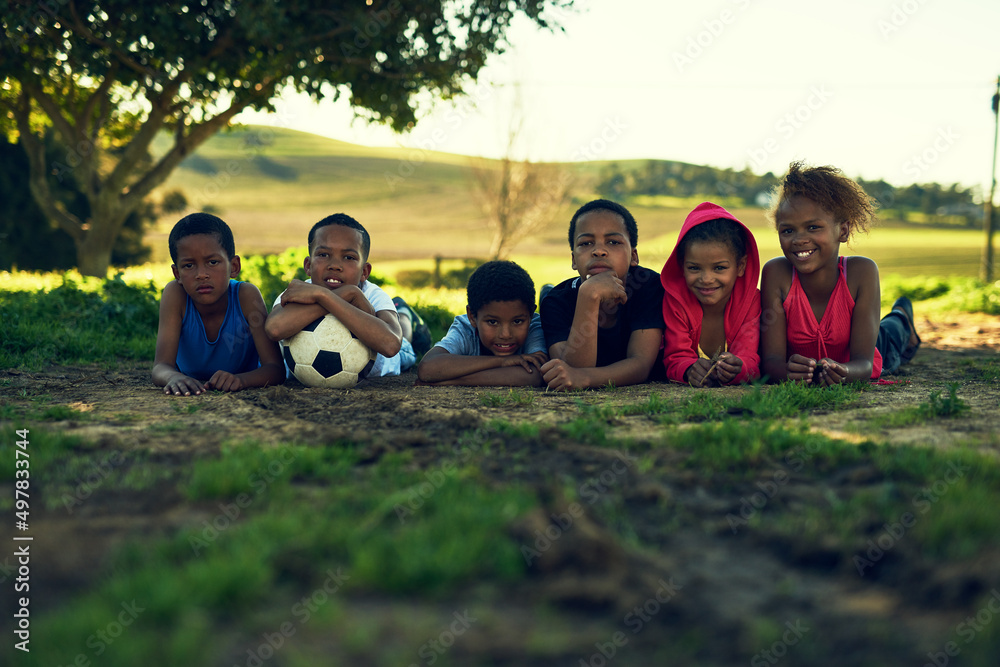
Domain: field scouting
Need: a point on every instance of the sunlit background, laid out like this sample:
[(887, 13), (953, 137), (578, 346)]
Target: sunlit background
[(898, 90)]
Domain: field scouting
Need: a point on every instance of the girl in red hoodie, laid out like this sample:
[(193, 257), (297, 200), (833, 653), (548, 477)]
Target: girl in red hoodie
[(711, 305)]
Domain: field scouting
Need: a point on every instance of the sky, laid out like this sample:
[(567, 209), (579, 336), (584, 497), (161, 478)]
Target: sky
[(898, 89)]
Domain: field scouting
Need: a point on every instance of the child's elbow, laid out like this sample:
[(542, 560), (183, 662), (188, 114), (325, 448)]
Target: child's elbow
[(423, 375), (393, 346), (273, 330)]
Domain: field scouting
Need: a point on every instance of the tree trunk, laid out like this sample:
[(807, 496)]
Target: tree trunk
[(93, 251), (93, 259)]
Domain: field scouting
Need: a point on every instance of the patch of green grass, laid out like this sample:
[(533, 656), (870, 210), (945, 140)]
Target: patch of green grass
[(986, 369), (183, 406), (947, 406), (936, 407), (69, 325), (48, 453), (513, 396), (938, 501), (167, 427), (738, 447), (758, 401), (507, 429), (586, 429), (385, 528), (250, 468), (36, 413), (655, 404)]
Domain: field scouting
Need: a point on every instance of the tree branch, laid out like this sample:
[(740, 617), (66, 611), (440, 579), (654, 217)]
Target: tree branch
[(183, 146), (38, 178), (70, 134), (100, 95), (77, 26)]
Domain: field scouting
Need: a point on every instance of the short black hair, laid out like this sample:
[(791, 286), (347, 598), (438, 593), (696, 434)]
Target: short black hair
[(201, 223), (721, 230), (343, 220), (500, 280), (610, 207)]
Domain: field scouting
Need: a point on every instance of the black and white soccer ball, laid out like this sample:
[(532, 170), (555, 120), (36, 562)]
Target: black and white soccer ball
[(326, 354)]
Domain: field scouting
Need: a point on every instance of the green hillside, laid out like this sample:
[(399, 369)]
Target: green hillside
[(271, 185)]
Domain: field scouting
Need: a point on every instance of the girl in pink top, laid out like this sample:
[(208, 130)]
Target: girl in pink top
[(820, 320)]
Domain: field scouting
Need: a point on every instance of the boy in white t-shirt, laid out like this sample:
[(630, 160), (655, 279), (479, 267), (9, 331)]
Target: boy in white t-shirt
[(498, 341), (338, 283)]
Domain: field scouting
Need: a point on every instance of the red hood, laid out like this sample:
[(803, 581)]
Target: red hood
[(672, 275)]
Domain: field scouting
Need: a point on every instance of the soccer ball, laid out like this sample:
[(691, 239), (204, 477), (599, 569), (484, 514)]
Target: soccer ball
[(326, 354)]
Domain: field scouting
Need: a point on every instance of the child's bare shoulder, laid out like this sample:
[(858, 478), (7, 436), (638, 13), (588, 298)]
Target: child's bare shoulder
[(778, 269), (863, 264), (173, 295), (249, 294), (861, 271)]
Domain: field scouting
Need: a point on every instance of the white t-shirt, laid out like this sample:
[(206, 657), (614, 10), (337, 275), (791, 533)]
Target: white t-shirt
[(462, 338), (379, 301)]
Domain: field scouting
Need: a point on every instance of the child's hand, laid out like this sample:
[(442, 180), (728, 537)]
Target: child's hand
[(301, 292), (560, 376), (800, 368), (353, 295), (526, 361), (224, 381), (829, 373), (728, 368), (697, 374), (605, 286), (182, 385)]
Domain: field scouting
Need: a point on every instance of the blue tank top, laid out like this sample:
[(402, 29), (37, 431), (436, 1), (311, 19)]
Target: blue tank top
[(233, 350)]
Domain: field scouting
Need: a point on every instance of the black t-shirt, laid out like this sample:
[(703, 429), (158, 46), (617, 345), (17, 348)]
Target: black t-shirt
[(643, 310)]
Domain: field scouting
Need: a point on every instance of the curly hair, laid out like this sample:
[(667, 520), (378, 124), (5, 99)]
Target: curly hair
[(201, 223), (610, 207), (500, 280), (832, 191)]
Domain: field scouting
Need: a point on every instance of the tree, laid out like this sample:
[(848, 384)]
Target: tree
[(108, 76), (30, 242), (518, 197)]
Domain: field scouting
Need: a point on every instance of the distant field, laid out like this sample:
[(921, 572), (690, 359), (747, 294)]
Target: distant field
[(271, 185)]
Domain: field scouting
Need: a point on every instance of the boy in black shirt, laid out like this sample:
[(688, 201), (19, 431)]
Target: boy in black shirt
[(607, 325)]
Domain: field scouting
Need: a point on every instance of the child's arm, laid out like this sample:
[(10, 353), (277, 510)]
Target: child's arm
[(679, 346), (272, 369), (776, 280), (742, 362), (580, 348), (303, 303), (863, 281), (441, 367), (168, 335), (643, 348)]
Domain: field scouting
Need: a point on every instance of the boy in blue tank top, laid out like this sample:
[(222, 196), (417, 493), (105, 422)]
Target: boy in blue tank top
[(211, 332)]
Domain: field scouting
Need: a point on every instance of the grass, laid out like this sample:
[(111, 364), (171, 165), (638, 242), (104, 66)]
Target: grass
[(250, 557), (514, 397), (758, 401), (72, 325), (938, 406), (983, 369)]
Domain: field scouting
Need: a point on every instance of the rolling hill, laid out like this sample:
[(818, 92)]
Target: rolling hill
[(272, 184)]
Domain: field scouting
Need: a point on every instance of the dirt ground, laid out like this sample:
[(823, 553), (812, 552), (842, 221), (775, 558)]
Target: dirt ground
[(719, 585)]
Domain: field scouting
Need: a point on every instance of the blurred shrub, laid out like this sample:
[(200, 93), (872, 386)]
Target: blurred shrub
[(415, 278), (68, 325), (956, 294), (272, 273), (919, 288)]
